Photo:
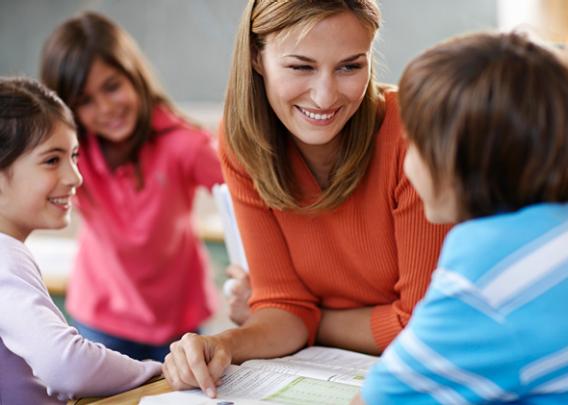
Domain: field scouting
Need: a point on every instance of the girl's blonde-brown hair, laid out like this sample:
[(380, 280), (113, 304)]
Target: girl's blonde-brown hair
[(70, 51), (257, 137)]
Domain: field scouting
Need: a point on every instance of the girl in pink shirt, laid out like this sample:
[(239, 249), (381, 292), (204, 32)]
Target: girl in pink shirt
[(42, 359), (140, 278)]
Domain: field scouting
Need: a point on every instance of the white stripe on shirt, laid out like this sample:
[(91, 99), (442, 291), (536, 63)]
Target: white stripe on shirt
[(545, 365), (455, 285), (522, 252), (483, 387), (553, 387), (444, 395), (555, 277), (523, 274)]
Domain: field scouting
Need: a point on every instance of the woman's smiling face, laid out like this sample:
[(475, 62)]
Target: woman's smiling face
[(316, 81)]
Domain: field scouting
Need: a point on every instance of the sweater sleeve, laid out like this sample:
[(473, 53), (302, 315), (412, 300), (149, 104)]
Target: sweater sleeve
[(418, 246), (33, 328), (274, 281)]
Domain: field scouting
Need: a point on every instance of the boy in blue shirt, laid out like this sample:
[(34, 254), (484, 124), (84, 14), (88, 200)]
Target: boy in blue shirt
[(487, 121)]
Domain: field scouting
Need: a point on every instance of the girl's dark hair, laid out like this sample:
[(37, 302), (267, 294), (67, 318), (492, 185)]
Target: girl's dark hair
[(28, 113), (70, 51), (489, 113)]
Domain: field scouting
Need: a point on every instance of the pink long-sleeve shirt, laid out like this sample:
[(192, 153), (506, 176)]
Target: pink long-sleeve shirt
[(141, 272)]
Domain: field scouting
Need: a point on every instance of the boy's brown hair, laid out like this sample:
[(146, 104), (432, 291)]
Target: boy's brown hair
[(489, 113)]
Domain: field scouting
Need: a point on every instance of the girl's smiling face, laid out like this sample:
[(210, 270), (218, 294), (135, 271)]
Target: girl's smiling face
[(109, 104), (36, 190)]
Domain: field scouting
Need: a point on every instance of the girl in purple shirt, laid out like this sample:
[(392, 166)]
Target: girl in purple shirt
[(140, 279), (42, 359)]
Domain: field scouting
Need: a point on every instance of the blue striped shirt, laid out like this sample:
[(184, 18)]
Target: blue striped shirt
[(493, 326)]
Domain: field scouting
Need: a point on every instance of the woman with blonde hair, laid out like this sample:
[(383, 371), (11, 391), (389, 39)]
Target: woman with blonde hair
[(312, 149)]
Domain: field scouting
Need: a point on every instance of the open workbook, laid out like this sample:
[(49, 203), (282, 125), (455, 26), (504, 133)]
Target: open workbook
[(316, 375)]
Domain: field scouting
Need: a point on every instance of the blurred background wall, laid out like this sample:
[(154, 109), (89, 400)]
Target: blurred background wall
[(189, 42)]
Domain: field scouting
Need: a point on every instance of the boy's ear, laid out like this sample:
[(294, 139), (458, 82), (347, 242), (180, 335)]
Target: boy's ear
[(257, 62), (4, 178)]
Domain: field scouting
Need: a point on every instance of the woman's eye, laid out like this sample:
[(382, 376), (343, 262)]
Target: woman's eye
[(75, 157), (301, 67), (350, 67)]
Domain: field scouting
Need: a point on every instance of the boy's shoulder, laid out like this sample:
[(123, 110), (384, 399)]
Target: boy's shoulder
[(498, 236), (495, 257)]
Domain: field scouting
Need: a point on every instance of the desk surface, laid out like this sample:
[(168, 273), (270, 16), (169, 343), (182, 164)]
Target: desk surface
[(132, 397)]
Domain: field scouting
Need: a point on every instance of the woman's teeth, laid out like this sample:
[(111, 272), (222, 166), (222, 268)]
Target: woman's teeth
[(316, 116)]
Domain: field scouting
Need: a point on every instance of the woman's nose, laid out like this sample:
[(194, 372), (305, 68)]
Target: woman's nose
[(324, 91)]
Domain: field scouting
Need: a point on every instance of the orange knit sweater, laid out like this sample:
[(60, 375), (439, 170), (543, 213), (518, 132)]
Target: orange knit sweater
[(376, 249)]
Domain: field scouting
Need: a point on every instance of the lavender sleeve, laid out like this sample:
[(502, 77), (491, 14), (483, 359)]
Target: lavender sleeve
[(33, 328)]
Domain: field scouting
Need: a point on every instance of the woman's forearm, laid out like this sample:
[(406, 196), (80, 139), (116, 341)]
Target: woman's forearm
[(348, 329), (267, 333)]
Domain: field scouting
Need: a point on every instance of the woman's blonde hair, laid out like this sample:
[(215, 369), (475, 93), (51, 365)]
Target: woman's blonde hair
[(257, 137)]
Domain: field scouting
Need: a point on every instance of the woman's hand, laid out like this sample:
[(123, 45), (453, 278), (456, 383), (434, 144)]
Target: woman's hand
[(200, 361), (197, 361), (237, 290)]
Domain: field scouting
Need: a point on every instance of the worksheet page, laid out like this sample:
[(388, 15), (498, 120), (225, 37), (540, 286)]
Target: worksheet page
[(251, 386)]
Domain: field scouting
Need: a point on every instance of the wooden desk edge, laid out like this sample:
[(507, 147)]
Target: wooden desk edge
[(56, 285), (211, 235), (157, 385)]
